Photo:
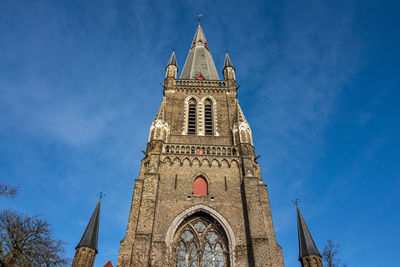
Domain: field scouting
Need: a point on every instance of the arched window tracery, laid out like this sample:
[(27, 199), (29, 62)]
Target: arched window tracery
[(200, 241)]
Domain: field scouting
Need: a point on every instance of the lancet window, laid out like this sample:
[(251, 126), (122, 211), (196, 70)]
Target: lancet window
[(201, 242), (192, 116), (208, 117)]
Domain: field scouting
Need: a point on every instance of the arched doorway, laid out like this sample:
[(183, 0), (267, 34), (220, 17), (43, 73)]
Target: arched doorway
[(200, 241)]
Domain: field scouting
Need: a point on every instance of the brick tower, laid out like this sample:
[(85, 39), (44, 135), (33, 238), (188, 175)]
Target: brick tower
[(199, 199)]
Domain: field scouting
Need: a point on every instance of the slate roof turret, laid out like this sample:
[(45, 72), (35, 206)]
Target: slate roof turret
[(91, 234), (307, 245)]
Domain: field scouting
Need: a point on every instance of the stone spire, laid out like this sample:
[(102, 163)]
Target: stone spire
[(86, 249), (240, 118), (227, 62), (241, 128), (159, 129), (308, 252), (229, 72), (171, 71), (160, 116), (172, 60), (199, 62)]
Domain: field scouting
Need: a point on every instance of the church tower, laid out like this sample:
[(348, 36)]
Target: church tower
[(309, 255), (86, 250), (199, 199)]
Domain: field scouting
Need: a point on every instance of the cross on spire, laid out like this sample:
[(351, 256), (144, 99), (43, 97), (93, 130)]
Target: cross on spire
[(199, 17), (101, 194), (296, 202)]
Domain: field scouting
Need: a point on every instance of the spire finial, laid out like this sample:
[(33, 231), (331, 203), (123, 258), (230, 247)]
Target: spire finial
[(199, 17), (101, 195), (296, 202)]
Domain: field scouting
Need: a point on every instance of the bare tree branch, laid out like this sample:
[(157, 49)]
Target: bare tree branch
[(330, 254), (8, 190), (26, 241)]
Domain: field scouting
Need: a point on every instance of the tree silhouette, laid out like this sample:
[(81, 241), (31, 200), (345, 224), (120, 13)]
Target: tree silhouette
[(330, 255)]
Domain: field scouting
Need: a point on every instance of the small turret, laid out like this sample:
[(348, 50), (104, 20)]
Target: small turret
[(171, 70), (159, 129), (86, 250), (241, 128), (309, 255), (229, 71)]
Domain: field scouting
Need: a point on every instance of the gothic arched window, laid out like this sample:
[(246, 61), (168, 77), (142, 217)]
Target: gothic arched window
[(208, 117), (192, 116), (200, 187), (201, 242)]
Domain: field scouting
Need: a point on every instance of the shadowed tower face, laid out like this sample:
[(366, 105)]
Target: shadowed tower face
[(199, 199)]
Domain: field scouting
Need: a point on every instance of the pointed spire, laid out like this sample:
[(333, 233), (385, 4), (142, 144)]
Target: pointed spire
[(307, 245), (91, 234), (240, 118), (172, 60), (199, 59), (227, 62), (161, 112)]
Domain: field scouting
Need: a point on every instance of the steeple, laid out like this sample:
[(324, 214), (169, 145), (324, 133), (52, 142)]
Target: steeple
[(159, 129), (91, 234), (199, 61), (171, 70), (86, 249), (160, 116), (308, 252), (241, 128), (227, 62), (172, 60), (229, 72)]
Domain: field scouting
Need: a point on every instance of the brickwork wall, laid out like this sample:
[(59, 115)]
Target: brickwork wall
[(84, 257)]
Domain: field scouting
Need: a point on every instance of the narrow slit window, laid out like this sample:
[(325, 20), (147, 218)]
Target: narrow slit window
[(208, 117), (192, 117)]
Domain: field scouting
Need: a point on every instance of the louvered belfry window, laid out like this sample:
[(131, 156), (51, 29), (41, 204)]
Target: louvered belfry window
[(192, 117), (208, 118)]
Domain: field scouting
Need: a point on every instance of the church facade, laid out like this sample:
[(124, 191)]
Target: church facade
[(199, 199)]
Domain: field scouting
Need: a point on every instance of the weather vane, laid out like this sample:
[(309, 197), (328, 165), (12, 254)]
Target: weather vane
[(199, 17), (101, 194), (296, 201)]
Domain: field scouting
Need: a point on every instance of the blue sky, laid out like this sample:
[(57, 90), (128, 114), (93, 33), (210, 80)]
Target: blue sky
[(80, 85)]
